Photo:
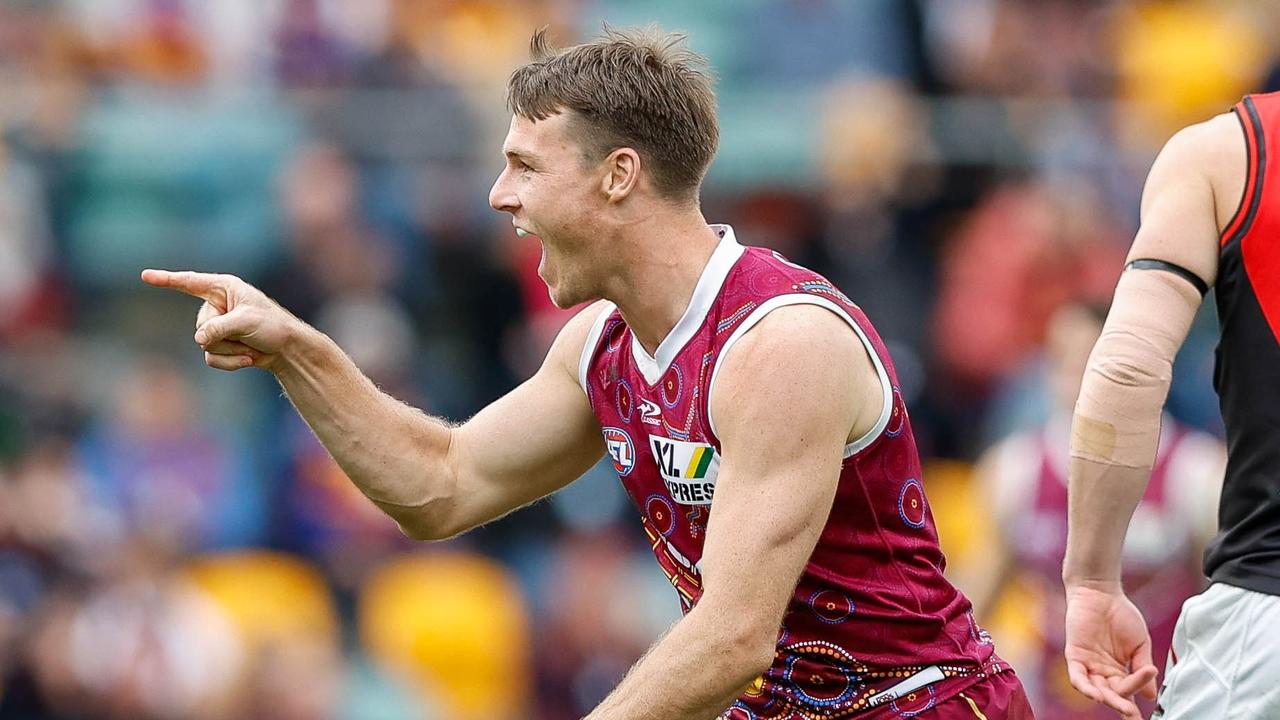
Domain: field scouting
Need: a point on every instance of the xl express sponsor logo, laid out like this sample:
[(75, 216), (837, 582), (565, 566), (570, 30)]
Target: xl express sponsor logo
[(688, 469)]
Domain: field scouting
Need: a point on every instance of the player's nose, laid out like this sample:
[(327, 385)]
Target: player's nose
[(502, 196)]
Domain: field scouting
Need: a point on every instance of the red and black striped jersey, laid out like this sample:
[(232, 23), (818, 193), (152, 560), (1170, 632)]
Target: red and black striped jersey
[(1246, 551)]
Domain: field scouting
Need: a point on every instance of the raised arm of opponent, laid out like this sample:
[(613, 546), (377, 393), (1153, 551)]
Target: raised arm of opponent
[(435, 479), (1192, 190)]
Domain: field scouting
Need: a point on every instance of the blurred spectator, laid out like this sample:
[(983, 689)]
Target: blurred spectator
[(476, 41), (1027, 249), (288, 625), (43, 375), (163, 476), (307, 52), (166, 47), (46, 541), (1023, 482), (331, 249), (588, 640), (27, 292), (144, 644), (876, 189), (812, 42)]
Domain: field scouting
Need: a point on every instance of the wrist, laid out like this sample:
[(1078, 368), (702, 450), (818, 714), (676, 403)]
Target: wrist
[(1094, 565), (1097, 583), (299, 341)]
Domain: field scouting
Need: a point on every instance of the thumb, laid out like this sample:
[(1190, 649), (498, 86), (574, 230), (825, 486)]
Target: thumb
[(1142, 660), (232, 324)]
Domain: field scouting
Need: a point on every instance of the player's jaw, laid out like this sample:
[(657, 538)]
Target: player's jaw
[(567, 273)]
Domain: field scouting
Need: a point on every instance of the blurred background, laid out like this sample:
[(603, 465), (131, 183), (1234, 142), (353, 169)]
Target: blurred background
[(175, 544)]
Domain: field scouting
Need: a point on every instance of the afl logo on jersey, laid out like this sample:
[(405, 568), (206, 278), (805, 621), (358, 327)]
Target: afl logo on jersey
[(621, 450)]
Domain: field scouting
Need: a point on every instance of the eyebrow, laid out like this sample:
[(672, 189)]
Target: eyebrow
[(521, 154)]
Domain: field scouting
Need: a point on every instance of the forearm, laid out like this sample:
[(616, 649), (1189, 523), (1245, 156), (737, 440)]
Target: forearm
[(395, 455), (713, 661), (1102, 500), (1113, 447), (1116, 428)]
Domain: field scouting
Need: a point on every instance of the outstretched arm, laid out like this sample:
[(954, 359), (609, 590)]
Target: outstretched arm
[(783, 427), (1117, 419), (436, 480)]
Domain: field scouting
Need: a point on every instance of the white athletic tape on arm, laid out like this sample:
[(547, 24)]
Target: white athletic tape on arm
[(1117, 417)]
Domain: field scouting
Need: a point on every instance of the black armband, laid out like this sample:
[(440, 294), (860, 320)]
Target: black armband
[(1185, 274)]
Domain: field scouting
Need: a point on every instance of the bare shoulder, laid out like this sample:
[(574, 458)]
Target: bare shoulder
[(1193, 190), (794, 360), (1214, 150), (789, 331), (1220, 133), (1211, 148)]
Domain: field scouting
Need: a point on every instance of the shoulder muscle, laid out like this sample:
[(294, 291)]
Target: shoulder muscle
[(1185, 202), (800, 364)]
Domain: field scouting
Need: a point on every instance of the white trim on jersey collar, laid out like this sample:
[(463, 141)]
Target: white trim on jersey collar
[(593, 339), (777, 301), (704, 296)]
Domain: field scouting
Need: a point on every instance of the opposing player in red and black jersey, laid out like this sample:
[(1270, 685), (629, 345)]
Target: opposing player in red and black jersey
[(747, 404), (1210, 216)]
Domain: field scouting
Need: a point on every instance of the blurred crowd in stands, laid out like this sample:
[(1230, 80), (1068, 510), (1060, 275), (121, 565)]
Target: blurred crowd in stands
[(173, 541)]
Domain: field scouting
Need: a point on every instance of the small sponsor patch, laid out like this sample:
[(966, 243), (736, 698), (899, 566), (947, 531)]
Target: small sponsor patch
[(689, 469), (650, 413), (621, 450)]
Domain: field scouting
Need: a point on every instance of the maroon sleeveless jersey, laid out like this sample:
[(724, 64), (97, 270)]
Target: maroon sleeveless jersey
[(873, 628), (1161, 557)]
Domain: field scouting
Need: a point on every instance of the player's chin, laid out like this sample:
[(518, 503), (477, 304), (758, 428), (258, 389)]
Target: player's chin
[(563, 299), (565, 295)]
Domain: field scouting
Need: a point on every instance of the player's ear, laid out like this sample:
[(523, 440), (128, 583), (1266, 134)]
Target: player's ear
[(622, 174)]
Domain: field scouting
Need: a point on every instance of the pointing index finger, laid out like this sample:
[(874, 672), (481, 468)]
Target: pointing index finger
[(205, 286)]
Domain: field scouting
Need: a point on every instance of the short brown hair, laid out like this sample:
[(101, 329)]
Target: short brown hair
[(637, 88)]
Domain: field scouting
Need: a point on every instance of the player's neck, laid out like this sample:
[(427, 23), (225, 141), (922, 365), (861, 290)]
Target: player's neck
[(664, 258)]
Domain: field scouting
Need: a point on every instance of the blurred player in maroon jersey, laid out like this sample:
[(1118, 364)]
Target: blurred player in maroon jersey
[(1024, 478), (1210, 215), (748, 406)]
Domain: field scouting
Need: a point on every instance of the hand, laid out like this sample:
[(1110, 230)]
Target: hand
[(1108, 649), (237, 326)]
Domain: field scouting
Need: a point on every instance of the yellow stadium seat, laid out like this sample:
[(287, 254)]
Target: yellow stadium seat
[(456, 624), (1183, 62), (268, 594)]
